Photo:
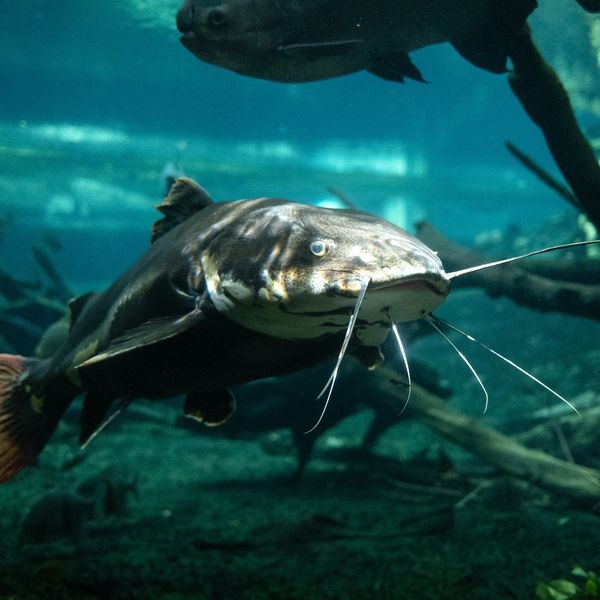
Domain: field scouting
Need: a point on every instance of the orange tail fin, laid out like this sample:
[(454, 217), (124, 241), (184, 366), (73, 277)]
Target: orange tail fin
[(27, 420)]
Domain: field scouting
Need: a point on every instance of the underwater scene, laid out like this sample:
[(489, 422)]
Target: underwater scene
[(255, 342)]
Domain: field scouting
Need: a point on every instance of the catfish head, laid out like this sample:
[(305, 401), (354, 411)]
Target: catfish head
[(278, 40), (295, 271), (230, 33)]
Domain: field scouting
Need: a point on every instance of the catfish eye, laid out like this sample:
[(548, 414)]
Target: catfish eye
[(319, 248), (216, 17)]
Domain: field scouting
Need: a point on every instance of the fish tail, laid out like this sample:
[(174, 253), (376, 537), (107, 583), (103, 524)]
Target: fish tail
[(28, 416)]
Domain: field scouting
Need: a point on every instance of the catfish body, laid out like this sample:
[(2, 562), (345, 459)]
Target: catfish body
[(292, 41), (227, 293)]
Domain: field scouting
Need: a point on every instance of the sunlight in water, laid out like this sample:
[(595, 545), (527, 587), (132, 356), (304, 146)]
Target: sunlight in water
[(154, 14)]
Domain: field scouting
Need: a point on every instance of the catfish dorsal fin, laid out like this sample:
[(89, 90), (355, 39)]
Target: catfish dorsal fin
[(184, 199)]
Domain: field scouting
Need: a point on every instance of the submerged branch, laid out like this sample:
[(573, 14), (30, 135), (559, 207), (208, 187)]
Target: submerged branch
[(576, 271), (580, 484), (528, 162), (546, 101), (60, 288), (540, 293)]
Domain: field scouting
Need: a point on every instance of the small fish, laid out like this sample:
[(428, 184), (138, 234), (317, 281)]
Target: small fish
[(227, 293), (290, 41)]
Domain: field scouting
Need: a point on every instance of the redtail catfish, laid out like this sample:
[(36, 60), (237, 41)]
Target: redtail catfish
[(227, 293)]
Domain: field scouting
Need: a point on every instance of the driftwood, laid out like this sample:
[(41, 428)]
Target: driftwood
[(575, 271), (28, 308), (59, 287), (582, 435), (562, 190), (13, 288), (525, 288), (546, 101), (580, 484)]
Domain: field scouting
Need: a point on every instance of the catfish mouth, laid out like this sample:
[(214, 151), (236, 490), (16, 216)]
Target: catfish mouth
[(203, 49), (436, 283), (190, 40), (210, 51)]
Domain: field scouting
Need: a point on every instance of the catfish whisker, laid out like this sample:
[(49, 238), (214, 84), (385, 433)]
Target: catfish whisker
[(508, 361), (405, 360), (430, 319), (331, 381)]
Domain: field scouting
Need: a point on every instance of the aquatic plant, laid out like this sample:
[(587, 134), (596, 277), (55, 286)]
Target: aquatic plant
[(565, 589)]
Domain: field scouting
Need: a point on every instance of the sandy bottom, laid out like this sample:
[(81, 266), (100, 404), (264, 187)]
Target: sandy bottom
[(216, 518)]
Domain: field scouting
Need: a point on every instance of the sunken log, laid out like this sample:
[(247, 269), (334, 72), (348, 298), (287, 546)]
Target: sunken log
[(576, 271), (581, 434), (59, 286), (524, 288), (14, 289), (546, 101), (580, 484), (562, 190)]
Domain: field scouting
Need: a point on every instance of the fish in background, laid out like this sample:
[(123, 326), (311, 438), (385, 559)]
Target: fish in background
[(288, 41), (59, 513), (291, 41), (64, 512)]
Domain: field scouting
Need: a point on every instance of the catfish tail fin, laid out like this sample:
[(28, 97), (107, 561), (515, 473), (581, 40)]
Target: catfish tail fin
[(27, 416)]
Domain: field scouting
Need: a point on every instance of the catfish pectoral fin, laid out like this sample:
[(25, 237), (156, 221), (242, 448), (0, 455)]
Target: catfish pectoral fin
[(147, 334), (395, 67), (211, 408)]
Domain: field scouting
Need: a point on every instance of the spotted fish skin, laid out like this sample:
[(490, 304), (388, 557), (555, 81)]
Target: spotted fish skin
[(309, 40), (227, 293)]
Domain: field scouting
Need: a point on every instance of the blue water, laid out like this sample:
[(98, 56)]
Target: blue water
[(99, 99), (106, 93)]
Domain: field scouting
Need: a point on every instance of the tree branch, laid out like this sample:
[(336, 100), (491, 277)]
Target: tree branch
[(525, 288), (546, 101), (580, 484)]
